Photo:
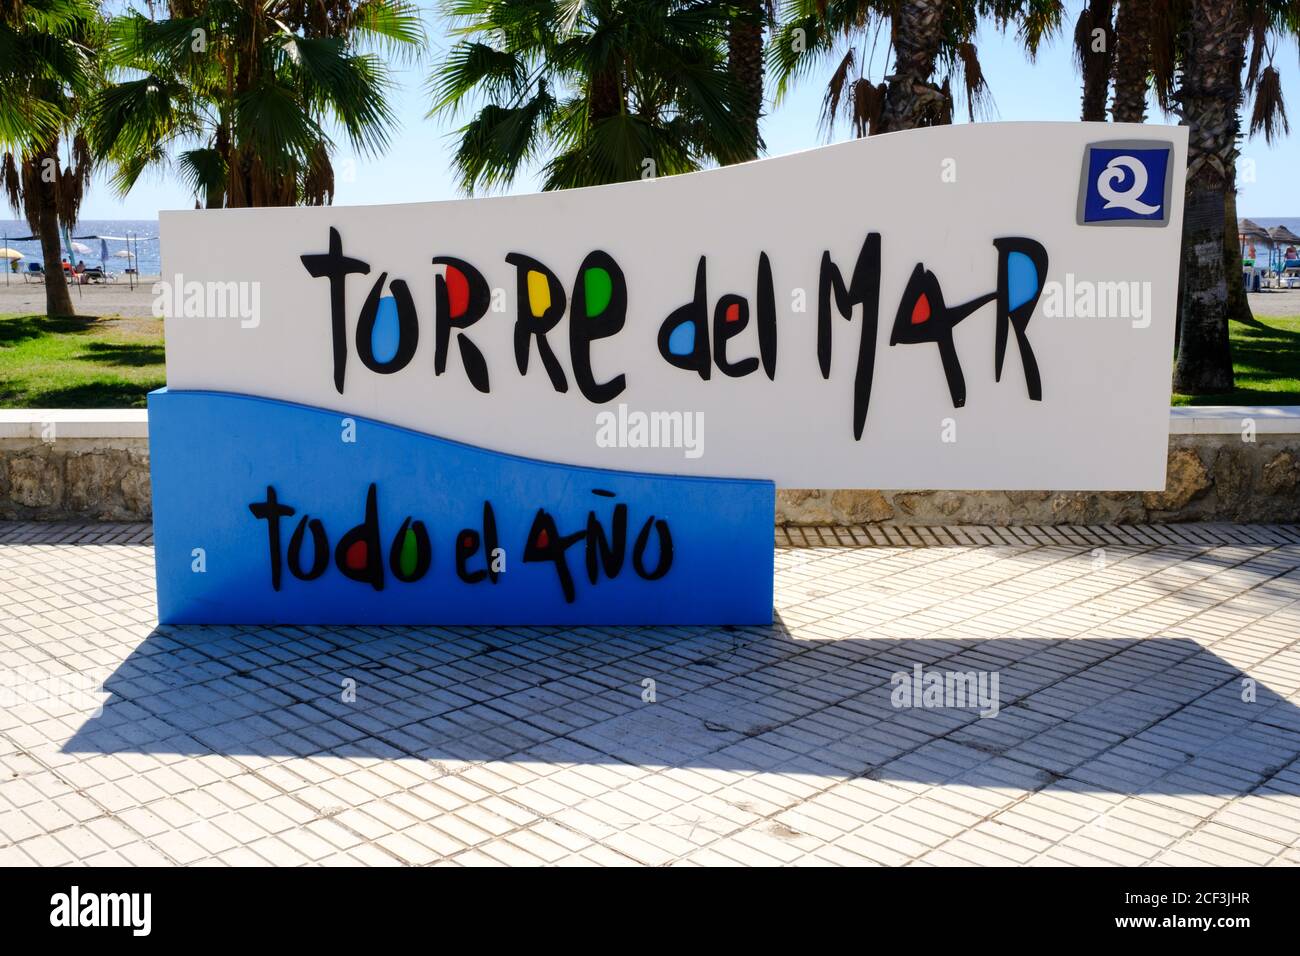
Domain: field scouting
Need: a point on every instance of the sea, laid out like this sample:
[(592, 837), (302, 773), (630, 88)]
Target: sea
[(147, 232), (143, 230)]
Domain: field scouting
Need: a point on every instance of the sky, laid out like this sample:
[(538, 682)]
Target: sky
[(417, 166)]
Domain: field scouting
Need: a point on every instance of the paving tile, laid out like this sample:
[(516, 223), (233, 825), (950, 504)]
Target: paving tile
[(1121, 736)]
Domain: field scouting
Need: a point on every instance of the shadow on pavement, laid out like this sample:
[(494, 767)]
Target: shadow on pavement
[(1159, 716)]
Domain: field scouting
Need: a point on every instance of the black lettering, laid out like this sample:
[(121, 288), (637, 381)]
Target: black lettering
[(467, 545), (684, 335), (358, 553), (730, 318), (272, 511), (320, 554), (461, 298), (665, 549), (336, 267), (766, 316), (864, 290), (423, 552), (546, 544), (600, 551), (408, 327), (591, 319), (1019, 317), (529, 325)]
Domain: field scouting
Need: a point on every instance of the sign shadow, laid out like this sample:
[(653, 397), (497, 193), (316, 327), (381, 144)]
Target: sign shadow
[(1121, 715)]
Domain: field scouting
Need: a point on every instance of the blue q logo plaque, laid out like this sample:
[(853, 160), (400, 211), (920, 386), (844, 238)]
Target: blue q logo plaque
[(1125, 183)]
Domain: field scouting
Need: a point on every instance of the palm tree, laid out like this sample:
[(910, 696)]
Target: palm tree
[(1268, 19), (1035, 20), (238, 94), (933, 46), (928, 41), (1214, 38), (911, 98), (604, 90), (46, 65), (1133, 23), (1209, 97), (745, 61), (1094, 51)]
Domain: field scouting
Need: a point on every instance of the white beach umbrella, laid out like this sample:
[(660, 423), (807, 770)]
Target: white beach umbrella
[(7, 253)]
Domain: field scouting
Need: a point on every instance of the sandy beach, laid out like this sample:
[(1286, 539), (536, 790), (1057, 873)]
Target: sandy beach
[(21, 297), (1275, 302), (118, 298)]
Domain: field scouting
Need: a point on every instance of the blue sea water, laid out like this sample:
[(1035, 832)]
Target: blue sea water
[(149, 252), (147, 248)]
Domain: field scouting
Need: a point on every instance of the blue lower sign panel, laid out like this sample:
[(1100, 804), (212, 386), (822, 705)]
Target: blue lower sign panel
[(268, 512)]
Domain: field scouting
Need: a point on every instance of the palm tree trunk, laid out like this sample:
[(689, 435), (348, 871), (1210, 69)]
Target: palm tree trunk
[(911, 99), (605, 99), (1209, 99), (1132, 61), (1094, 55), (214, 195), (1238, 303), (745, 61), (58, 300)]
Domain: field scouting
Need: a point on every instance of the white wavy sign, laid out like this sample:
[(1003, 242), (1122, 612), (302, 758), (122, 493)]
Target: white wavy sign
[(930, 309)]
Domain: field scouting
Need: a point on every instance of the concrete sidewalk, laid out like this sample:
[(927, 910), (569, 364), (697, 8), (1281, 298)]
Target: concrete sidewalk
[(1148, 711)]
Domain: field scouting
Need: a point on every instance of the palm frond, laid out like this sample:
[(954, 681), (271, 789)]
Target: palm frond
[(203, 170), (1269, 114), (393, 27), (475, 68), (499, 141), (835, 88)]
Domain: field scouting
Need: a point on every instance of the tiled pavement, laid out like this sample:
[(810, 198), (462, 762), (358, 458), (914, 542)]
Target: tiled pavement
[(1123, 657)]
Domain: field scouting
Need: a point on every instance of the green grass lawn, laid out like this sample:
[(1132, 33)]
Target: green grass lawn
[(114, 363), (82, 362), (1266, 357)]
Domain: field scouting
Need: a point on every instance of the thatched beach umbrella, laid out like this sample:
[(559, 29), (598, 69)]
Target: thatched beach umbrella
[(1282, 238), (1249, 233), (1249, 229)]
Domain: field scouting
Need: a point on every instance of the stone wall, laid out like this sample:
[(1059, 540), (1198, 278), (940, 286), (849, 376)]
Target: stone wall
[(1212, 477), (102, 479), (1215, 477)]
